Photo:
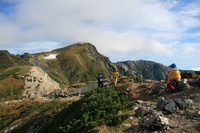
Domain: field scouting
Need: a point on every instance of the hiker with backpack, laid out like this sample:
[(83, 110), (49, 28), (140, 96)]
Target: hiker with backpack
[(100, 80)]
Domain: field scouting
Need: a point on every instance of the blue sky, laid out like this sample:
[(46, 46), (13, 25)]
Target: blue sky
[(164, 31)]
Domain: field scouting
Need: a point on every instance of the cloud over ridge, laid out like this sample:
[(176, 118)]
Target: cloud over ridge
[(145, 28)]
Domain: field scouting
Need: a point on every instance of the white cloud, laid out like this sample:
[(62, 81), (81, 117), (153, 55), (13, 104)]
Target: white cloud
[(34, 47), (144, 27), (188, 49), (191, 10), (196, 68)]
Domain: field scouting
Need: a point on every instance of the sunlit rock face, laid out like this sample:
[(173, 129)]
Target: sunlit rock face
[(38, 83)]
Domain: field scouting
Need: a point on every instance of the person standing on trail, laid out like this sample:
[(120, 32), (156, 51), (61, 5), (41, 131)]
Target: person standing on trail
[(115, 76), (100, 80)]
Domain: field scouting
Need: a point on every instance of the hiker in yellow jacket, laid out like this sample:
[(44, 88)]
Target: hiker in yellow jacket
[(174, 73), (115, 76)]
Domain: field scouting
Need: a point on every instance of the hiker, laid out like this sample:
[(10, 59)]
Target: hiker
[(174, 78), (100, 80), (115, 76)]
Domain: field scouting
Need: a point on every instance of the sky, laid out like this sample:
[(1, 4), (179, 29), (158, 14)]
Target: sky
[(163, 31)]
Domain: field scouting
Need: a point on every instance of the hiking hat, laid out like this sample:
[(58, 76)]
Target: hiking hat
[(173, 65)]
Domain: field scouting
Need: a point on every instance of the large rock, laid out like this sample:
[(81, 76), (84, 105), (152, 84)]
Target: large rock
[(144, 111), (183, 85), (180, 103), (171, 107), (157, 89), (38, 83), (161, 102), (151, 119)]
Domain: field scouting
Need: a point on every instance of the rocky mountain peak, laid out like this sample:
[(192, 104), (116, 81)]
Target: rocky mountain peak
[(9, 60), (142, 70)]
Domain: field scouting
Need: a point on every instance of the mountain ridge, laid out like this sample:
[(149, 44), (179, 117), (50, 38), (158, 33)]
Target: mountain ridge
[(81, 63), (143, 69)]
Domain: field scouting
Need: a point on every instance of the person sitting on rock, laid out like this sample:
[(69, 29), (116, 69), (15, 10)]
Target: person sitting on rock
[(174, 78)]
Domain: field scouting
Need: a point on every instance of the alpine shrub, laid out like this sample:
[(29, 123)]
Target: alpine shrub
[(100, 106)]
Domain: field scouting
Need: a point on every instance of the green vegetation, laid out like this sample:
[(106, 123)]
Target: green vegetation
[(55, 77), (8, 73), (96, 108), (53, 64), (82, 63), (186, 73), (11, 83), (10, 92), (19, 111)]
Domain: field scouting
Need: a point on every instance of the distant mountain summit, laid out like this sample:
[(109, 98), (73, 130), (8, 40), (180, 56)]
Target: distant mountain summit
[(8, 60), (142, 70), (81, 62)]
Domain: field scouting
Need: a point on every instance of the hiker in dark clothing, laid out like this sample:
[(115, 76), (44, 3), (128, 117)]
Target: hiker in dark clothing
[(100, 80)]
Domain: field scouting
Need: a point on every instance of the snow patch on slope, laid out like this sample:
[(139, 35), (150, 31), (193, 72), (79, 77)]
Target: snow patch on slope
[(51, 56)]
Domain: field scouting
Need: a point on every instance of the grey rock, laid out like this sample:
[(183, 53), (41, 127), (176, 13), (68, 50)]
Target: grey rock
[(161, 102), (171, 107), (188, 102)]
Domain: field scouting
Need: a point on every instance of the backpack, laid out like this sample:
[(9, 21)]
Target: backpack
[(173, 86)]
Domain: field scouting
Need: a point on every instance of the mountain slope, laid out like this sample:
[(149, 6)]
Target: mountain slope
[(26, 81), (82, 63), (77, 63), (73, 64), (141, 70), (50, 66), (8, 60)]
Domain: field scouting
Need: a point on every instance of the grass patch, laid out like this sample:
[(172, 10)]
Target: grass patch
[(8, 73), (17, 111)]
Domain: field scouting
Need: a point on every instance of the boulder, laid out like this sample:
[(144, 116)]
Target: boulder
[(161, 102), (188, 102), (183, 85), (171, 107), (180, 103), (156, 89)]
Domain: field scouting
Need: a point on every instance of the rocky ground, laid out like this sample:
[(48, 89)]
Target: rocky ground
[(180, 121), (185, 120)]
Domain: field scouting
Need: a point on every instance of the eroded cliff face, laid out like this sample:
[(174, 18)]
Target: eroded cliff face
[(38, 83)]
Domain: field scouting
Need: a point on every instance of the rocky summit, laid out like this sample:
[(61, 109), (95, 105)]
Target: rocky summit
[(143, 70)]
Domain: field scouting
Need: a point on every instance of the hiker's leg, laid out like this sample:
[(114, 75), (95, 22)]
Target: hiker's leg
[(115, 81), (101, 84)]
